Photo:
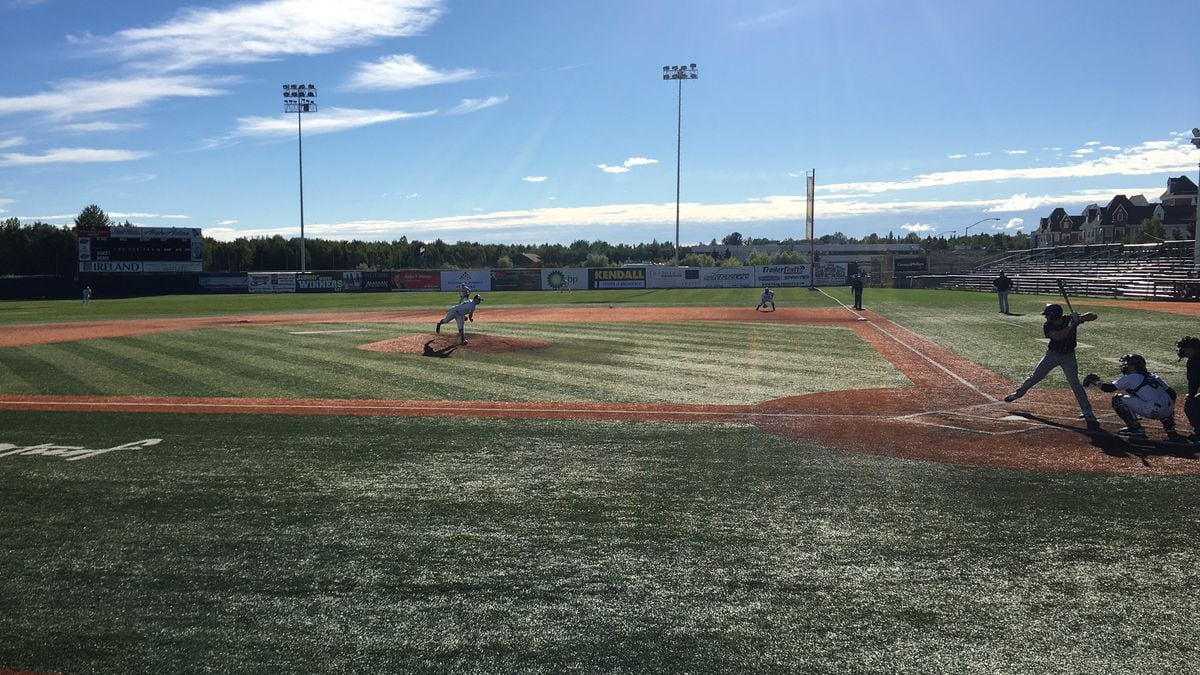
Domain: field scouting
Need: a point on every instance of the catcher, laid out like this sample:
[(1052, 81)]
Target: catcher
[(1143, 394), (1060, 353)]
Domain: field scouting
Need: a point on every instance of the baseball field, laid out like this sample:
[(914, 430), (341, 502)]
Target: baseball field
[(600, 481)]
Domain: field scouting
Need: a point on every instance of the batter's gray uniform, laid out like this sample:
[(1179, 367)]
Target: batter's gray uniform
[(1060, 353)]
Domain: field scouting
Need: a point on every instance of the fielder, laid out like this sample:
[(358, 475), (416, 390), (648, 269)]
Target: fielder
[(1145, 394), (767, 298), (464, 291), (1060, 353), (463, 310)]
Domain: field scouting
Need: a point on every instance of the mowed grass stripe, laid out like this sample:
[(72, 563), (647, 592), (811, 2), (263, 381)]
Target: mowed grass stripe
[(55, 369), (209, 363), (12, 383), (131, 368)]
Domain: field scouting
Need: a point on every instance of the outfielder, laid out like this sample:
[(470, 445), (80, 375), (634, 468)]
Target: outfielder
[(767, 298), (1145, 394), (1060, 353), (463, 310)]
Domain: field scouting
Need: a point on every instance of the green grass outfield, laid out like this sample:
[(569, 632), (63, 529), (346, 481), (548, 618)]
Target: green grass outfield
[(251, 543)]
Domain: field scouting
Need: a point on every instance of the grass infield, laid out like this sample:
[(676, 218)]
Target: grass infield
[(267, 544), (257, 543)]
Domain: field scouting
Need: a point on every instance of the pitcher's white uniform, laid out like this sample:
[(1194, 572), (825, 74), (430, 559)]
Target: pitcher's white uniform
[(459, 312)]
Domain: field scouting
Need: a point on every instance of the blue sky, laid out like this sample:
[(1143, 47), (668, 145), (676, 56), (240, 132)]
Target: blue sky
[(528, 121)]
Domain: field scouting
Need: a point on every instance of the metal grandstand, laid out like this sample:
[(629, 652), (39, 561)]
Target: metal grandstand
[(1163, 270)]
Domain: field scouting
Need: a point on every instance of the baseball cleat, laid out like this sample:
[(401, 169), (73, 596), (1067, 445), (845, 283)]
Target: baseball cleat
[(438, 329), (1012, 397), (1132, 432)]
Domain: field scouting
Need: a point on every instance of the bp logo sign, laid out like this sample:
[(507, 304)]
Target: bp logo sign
[(556, 280)]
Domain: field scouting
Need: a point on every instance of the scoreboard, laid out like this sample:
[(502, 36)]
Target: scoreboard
[(137, 250)]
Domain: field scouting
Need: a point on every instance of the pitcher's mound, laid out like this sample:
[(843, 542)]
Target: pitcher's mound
[(478, 343)]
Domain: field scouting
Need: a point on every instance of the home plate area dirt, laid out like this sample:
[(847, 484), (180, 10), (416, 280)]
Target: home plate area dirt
[(952, 413)]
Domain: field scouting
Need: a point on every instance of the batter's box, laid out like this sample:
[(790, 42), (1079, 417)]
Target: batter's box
[(972, 423)]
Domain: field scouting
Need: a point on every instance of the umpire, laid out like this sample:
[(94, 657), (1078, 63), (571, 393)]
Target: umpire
[(1189, 348)]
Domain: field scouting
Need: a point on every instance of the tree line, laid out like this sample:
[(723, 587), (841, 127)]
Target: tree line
[(42, 248)]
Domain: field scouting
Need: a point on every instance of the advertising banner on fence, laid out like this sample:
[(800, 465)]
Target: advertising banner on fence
[(356, 281), (781, 275), (831, 274), (319, 282), (726, 277), (415, 280), (516, 280), (911, 265), (273, 282), (478, 280), (617, 277), (565, 279), (224, 283), (663, 276)]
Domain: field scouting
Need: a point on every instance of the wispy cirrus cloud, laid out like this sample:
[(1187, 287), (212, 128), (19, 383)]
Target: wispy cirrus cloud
[(1016, 152), (79, 97), (264, 31), (470, 105), (626, 165), (168, 216), (71, 156), (100, 127), (403, 71), (11, 142), (329, 121), (1149, 158), (916, 227), (534, 179)]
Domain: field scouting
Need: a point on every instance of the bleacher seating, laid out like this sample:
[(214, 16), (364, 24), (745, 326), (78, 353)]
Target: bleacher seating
[(1162, 270)]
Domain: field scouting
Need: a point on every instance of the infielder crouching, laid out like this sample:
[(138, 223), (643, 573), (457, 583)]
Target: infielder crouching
[(767, 298), (463, 310)]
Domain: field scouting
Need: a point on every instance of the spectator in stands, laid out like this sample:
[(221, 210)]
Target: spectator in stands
[(1003, 284)]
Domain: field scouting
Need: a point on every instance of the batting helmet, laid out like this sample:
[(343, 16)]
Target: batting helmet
[(1052, 311), (1134, 362), (478, 299), (1188, 342)]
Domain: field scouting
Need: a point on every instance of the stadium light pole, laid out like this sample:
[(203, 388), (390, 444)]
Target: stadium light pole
[(967, 232), (1196, 234), (298, 98), (679, 73)]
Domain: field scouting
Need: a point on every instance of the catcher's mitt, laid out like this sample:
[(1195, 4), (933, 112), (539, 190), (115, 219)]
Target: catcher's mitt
[(1090, 379)]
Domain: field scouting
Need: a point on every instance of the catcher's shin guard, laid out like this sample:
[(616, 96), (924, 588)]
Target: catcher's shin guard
[(1127, 416)]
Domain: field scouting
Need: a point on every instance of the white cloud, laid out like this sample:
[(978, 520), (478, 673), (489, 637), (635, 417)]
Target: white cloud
[(403, 71), (70, 156), (1016, 152), (1150, 158), (174, 216), (263, 31), (11, 142), (983, 154), (73, 98), (1092, 143), (4, 203), (534, 179), (639, 161), (329, 120), (1111, 148), (766, 19), (612, 169), (96, 127), (470, 105), (227, 222), (956, 156), (916, 227), (1013, 224), (1083, 151)]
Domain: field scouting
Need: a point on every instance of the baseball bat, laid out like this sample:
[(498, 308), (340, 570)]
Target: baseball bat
[(1062, 288)]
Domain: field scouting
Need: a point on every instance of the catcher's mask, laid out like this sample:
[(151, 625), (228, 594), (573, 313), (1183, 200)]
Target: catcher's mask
[(1133, 363), (1188, 342), (1053, 311)]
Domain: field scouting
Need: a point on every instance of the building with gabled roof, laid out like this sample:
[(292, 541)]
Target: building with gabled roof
[(1121, 218)]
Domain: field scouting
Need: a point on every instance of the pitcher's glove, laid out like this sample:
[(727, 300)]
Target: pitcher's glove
[(1090, 379)]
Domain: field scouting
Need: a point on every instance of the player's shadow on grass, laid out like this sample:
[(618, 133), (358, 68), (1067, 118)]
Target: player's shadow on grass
[(1120, 446)]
